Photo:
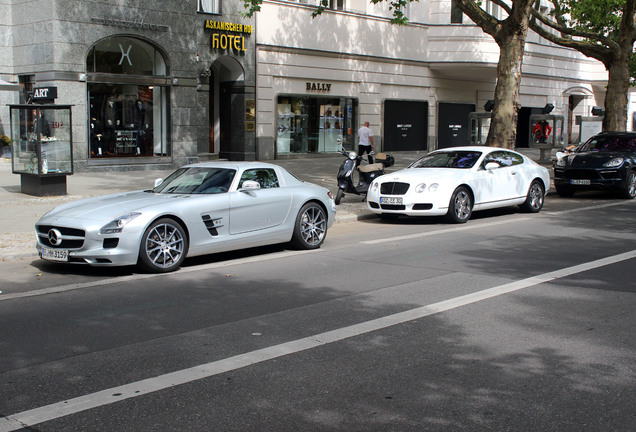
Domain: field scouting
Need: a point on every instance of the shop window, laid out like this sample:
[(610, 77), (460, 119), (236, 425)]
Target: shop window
[(314, 124), (128, 116), (209, 6)]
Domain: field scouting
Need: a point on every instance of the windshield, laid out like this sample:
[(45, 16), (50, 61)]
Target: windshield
[(197, 181), (610, 143), (448, 159)]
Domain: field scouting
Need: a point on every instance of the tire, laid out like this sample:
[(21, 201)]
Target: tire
[(339, 196), (535, 198), (460, 207), (310, 228), (630, 186), (564, 191), (163, 247)]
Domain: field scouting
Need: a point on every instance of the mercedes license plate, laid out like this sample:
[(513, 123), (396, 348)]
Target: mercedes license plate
[(54, 254), (390, 200), (581, 182)]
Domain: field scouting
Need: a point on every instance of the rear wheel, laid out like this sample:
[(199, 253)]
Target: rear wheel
[(534, 201), (163, 246), (460, 207), (630, 185), (311, 227)]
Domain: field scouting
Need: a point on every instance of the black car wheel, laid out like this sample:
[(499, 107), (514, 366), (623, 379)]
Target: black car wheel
[(630, 185), (534, 200), (460, 207), (163, 246), (310, 229), (564, 191)]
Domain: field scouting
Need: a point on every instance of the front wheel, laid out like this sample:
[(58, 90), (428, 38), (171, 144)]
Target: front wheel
[(310, 228), (460, 207), (535, 198), (339, 196), (163, 246), (630, 185)]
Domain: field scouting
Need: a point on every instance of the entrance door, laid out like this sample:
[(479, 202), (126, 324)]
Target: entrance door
[(453, 127), (405, 125)]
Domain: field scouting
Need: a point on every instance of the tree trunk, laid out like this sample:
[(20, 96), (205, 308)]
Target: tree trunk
[(503, 130), (615, 119)]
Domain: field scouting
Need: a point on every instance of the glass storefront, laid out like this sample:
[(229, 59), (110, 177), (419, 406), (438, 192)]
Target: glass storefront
[(128, 116), (315, 124)]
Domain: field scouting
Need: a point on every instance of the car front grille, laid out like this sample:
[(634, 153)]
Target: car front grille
[(578, 174), (71, 238), (394, 188)]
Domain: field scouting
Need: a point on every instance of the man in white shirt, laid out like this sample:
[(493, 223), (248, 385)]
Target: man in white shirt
[(365, 141)]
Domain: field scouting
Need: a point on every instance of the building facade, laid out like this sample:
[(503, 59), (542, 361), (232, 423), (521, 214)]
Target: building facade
[(152, 84), (164, 83), (417, 85)]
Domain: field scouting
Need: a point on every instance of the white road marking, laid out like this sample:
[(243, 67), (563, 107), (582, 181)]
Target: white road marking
[(116, 394)]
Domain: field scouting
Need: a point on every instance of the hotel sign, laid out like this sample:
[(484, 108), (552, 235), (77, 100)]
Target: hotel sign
[(228, 36)]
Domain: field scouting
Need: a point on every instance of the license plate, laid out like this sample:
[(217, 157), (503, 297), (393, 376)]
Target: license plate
[(581, 182), (390, 200), (54, 254)]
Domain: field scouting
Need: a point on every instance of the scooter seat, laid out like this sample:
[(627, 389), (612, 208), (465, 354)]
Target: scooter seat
[(371, 167)]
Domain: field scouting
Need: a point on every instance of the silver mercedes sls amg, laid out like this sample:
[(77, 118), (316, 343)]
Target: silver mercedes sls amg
[(199, 209)]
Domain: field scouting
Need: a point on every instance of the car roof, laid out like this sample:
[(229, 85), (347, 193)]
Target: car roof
[(232, 165), (485, 149)]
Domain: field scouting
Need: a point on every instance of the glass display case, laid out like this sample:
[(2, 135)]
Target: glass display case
[(42, 147)]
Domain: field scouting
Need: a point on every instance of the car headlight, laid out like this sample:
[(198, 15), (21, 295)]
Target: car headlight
[(614, 163), (117, 225), (561, 161), (420, 188), (374, 186), (433, 187)]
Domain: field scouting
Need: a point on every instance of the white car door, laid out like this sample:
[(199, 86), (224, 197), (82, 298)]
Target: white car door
[(260, 209), (503, 183)]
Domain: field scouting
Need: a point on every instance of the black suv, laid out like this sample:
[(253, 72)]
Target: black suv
[(606, 161)]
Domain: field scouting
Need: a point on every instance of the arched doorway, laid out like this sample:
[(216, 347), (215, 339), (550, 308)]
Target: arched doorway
[(128, 93), (227, 108), (577, 101)]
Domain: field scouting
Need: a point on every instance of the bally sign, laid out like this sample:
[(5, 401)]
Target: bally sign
[(317, 86), (44, 93)]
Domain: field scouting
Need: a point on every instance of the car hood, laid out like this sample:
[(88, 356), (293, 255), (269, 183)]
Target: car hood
[(415, 175), (108, 207), (592, 159)]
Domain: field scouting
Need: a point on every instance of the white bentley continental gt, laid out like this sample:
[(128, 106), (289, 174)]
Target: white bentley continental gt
[(198, 209), (454, 182)]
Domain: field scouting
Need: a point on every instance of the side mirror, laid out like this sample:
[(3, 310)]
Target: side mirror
[(250, 185), (491, 166), (158, 181)]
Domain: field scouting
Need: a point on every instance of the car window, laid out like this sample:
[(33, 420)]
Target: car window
[(503, 158), (197, 181), (266, 177), (609, 143), (448, 159)]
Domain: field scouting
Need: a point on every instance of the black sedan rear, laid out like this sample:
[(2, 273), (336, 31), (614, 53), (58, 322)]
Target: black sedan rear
[(607, 161)]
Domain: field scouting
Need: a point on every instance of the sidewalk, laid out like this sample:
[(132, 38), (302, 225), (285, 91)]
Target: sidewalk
[(20, 212)]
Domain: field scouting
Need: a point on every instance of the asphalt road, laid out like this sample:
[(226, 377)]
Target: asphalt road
[(511, 322)]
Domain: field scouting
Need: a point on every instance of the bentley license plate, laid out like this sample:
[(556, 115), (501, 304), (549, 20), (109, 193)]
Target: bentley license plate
[(54, 254), (581, 182), (390, 200)]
